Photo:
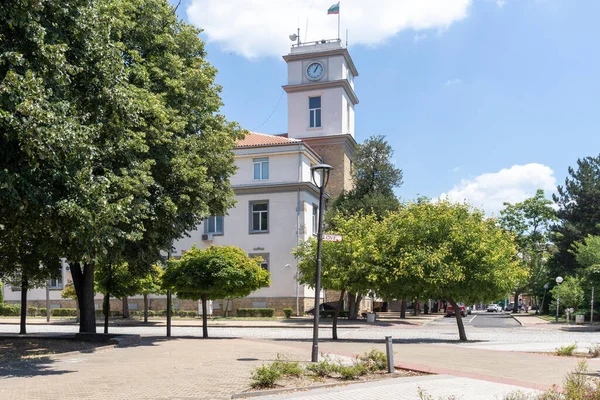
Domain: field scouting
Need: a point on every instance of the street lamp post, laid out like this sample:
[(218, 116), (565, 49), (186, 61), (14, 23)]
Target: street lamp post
[(559, 280), (324, 171), (543, 299)]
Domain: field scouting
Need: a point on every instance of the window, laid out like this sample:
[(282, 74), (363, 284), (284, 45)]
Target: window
[(259, 216), (265, 256), (214, 225), (315, 219), (314, 107), (55, 283), (261, 169)]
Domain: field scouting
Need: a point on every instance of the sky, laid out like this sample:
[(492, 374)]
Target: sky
[(481, 100)]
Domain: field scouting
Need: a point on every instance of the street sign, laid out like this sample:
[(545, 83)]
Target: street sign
[(332, 238)]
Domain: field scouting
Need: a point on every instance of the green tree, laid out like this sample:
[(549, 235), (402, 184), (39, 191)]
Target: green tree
[(346, 265), (151, 283), (110, 131), (451, 251), (215, 273), (571, 294), (578, 212), (530, 221), (69, 292), (117, 281)]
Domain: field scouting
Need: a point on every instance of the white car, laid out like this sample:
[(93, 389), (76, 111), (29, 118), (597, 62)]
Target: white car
[(493, 308)]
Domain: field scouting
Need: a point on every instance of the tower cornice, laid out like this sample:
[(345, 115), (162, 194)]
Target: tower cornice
[(326, 53), (324, 85)]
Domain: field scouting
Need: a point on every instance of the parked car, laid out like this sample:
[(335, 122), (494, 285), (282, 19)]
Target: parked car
[(450, 310), (493, 308), (509, 308)]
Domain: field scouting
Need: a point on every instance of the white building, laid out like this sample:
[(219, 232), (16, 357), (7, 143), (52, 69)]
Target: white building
[(277, 204)]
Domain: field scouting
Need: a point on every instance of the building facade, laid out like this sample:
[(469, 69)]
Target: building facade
[(277, 202)]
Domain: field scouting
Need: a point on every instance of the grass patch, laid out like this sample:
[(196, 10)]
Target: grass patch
[(566, 351)]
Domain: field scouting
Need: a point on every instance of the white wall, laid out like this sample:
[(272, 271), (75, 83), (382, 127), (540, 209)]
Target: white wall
[(331, 113)]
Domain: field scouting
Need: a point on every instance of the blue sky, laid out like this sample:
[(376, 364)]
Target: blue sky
[(481, 100)]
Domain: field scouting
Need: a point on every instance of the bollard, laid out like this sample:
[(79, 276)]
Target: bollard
[(390, 354)]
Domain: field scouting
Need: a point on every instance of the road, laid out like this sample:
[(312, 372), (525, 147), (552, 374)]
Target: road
[(482, 320)]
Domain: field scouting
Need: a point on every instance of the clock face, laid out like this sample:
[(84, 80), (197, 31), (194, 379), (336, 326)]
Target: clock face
[(314, 71)]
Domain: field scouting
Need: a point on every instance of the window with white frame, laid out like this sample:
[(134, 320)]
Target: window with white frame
[(315, 219), (214, 225), (55, 283), (314, 109), (265, 262), (261, 169), (259, 216)]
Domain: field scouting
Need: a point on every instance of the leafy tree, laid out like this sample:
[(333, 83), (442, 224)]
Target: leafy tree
[(451, 251), (214, 273), (69, 292), (530, 221), (110, 131), (346, 265), (578, 212), (571, 294), (151, 283), (115, 280)]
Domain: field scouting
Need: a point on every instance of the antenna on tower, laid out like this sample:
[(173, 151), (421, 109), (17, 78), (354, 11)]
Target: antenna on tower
[(346, 37)]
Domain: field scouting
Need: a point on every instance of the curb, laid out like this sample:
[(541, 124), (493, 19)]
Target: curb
[(516, 319), (284, 390)]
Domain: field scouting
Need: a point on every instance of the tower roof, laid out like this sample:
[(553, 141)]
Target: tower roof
[(255, 139)]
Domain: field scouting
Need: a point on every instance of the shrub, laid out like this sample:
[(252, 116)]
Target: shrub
[(265, 377), (64, 312), (374, 360), (32, 311), (566, 350), (287, 368), (287, 312), (42, 311), (323, 368), (348, 372), (255, 312), (10, 310), (185, 314)]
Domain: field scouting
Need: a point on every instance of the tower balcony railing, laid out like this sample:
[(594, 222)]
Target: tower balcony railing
[(318, 45)]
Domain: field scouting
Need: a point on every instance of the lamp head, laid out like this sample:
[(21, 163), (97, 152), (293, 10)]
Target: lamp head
[(559, 280), (324, 170), (546, 286)]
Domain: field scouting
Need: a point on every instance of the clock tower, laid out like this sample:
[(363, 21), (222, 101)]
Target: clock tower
[(321, 100)]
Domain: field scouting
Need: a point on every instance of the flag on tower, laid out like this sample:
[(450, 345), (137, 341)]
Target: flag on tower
[(334, 9)]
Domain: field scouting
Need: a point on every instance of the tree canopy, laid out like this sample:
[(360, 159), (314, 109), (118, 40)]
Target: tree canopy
[(215, 273)]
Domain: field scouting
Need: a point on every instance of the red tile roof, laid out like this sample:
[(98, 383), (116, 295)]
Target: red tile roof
[(255, 139)]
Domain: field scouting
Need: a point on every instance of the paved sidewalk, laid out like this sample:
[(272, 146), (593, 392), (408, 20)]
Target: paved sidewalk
[(437, 386), (527, 370)]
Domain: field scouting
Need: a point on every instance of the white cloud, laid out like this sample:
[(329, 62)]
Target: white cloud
[(456, 169), (489, 191), (452, 82), (419, 36), (500, 3), (255, 28)]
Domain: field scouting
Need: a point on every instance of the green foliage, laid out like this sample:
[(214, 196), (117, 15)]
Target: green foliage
[(571, 294), (287, 368), (256, 312), (1, 295), (375, 177), (10, 310), (116, 280), (374, 360), (217, 272), (323, 368), (69, 292), (32, 311), (577, 212), (186, 314), (265, 377), (350, 372), (42, 311), (151, 283), (566, 350), (63, 312), (594, 350), (288, 312)]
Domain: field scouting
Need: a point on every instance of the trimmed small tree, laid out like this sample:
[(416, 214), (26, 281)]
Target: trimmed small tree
[(214, 273), (571, 294), (115, 280), (151, 283), (451, 251)]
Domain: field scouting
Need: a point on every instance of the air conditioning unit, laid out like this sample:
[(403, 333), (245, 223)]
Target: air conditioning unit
[(208, 237)]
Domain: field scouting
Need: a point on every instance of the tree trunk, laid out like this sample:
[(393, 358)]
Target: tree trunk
[(106, 310), (226, 312), (516, 303), (415, 308), (461, 328), (83, 280), (125, 302), (403, 309), (145, 308), (24, 287), (78, 313), (204, 318), (336, 313)]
